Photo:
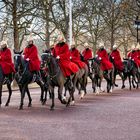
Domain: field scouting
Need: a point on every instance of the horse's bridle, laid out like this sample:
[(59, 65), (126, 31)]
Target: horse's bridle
[(47, 63)]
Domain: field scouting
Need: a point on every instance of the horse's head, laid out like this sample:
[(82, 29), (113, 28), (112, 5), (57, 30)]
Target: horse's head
[(49, 61), (46, 57), (129, 65), (90, 65), (94, 67), (18, 60)]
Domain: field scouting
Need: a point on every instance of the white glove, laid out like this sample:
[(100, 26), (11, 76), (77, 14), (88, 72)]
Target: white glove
[(96, 55), (112, 57), (70, 57), (58, 57), (132, 59), (100, 58), (27, 59), (23, 55), (129, 57)]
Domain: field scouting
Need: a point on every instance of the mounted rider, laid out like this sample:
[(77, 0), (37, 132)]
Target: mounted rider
[(62, 53), (133, 55), (75, 56), (6, 60), (115, 55), (102, 56), (87, 53), (138, 50), (31, 57)]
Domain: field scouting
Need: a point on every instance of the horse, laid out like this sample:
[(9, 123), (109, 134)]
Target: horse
[(109, 77), (131, 71), (57, 79), (121, 73), (6, 80), (95, 74), (24, 77)]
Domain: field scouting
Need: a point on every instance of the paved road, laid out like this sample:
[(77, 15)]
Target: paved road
[(103, 117)]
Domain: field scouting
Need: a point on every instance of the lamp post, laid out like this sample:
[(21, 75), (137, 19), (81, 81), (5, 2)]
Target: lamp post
[(137, 23), (70, 22)]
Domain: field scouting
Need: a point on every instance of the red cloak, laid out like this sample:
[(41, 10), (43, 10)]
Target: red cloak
[(135, 57), (105, 63), (75, 57), (115, 54), (32, 54), (67, 67), (87, 54), (6, 61)]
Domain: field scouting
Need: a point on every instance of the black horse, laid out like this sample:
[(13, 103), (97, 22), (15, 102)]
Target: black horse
[(57, 79), (122, 73), (6, 79), (24, 77), (95, 74), (131, 71)]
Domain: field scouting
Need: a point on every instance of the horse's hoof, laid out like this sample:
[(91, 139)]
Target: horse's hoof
[(101, 89), (68, 104), (123, 86), (82, 94), (116, 85), (72, 103), (6, 104), (52, 109), (43, 103), (64, 101), (64, 98), (29, 105), (20, 108)]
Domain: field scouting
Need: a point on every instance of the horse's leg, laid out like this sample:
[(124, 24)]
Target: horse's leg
[(42, 90), (0, 93), (100, 81), (52, 96), (93, 85), (129, 77), (65, 91), (62, 100), (46, 93), (115, 74), (97, 83), (10, 93), (23, 90), (125, 75), (29, 97), (122, 77), (112, 81), (93, 82)]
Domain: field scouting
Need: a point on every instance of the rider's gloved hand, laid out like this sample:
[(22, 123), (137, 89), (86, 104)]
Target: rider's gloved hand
[(70, 57), (96, 55), (129, 57), (112, 57), (23, 55), (100, 58), (58, 57), (27, 59)]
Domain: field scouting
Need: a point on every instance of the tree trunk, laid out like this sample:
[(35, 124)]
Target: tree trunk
[(15, 26)]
